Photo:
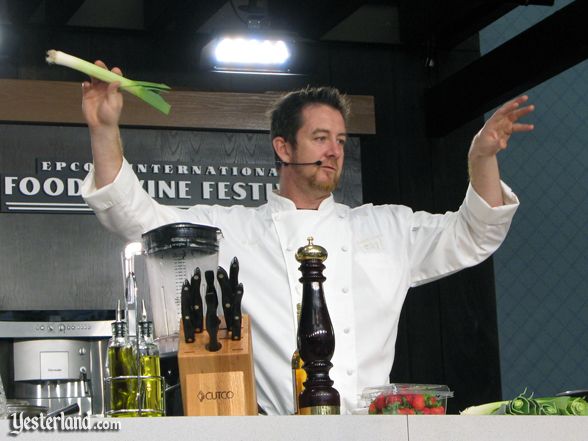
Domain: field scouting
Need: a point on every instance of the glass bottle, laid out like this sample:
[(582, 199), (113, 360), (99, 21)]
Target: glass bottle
[(121, 367), (150, 391), (3, 404), (298, 373), (316, 338)]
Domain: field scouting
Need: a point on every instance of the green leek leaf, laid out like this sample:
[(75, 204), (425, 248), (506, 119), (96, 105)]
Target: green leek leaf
[(147, 91)]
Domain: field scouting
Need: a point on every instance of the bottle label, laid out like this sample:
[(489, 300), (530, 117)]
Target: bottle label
[(320, 410)]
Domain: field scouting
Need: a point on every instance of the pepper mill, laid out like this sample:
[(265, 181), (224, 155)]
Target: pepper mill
[(316, 338)]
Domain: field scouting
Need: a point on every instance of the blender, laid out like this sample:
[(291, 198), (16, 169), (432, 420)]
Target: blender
[(173, 252)]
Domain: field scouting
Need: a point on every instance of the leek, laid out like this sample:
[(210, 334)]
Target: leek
[(148, 92), (527, 405), (484, 409)]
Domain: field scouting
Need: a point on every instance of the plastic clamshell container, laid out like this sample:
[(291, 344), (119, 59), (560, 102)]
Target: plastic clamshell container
[(404, 399)]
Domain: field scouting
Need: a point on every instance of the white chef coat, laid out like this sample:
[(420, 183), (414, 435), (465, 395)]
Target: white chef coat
[(375, 253)]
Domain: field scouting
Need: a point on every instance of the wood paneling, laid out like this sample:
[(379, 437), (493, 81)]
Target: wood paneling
[(55, 102)]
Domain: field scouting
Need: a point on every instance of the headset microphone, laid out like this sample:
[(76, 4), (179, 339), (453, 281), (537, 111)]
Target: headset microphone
[(317, 163)]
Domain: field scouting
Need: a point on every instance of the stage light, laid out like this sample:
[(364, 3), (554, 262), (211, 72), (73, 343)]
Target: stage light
[(249, 54)]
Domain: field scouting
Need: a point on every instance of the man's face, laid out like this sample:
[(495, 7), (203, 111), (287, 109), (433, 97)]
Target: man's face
[(321, 137)]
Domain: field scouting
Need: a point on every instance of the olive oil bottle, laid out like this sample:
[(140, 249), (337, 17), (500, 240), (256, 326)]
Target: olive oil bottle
[(298, 372), (150, 392), (121, 368)]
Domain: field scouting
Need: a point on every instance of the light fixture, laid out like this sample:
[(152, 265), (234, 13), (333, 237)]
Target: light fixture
[(259, 49), (249, 53)]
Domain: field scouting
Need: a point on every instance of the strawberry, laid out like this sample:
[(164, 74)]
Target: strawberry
[(438, 410), (418, 402), (431, 401), (391, 399), (372, 409), (380, 401), (408, 398)]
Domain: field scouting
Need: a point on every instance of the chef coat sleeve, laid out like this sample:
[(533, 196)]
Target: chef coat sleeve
[(125, 208), (440, 245)]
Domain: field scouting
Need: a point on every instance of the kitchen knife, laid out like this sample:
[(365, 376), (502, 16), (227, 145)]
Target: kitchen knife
[(197, 308), (187, 311), (237, 317), (234, 274), (212, 320), (227, 295)]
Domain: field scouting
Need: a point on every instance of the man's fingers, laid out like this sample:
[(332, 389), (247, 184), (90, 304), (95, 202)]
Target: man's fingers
[(113, 87), (511, 105), (518, 127), (101, 64), (519, 113)]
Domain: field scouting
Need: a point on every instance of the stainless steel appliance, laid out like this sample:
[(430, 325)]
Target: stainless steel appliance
[(55, 358)]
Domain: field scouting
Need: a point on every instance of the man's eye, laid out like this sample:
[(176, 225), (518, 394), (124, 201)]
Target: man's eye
[(321, 138)]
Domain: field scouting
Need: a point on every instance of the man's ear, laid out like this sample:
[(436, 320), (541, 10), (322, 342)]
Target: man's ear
[(282, 148)]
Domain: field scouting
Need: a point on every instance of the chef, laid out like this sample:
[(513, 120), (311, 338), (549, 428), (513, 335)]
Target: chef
[(376, 253)]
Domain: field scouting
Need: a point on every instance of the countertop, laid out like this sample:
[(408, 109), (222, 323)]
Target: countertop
[(340, 428)]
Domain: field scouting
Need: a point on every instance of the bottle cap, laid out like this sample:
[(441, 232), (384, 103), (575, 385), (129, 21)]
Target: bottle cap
[(119, 326), (145, 326)]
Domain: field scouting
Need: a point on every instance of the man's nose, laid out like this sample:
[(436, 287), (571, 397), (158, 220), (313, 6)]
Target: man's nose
[(335, 148)]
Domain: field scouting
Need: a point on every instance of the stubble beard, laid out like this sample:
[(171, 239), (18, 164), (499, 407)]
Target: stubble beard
[(328, 186)]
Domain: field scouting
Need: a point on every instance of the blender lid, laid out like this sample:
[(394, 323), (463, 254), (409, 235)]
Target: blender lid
[(182, 235)]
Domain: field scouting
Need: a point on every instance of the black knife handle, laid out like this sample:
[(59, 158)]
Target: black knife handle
[(237, 316), (186, 301), (234, 274), (212, 320), (198, 310), (226, 295)]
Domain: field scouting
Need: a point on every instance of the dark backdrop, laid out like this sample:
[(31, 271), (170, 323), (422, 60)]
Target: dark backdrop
[(448, 328)]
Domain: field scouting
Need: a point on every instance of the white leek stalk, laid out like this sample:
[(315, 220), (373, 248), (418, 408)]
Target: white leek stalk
[(148, 92), (483, 409)]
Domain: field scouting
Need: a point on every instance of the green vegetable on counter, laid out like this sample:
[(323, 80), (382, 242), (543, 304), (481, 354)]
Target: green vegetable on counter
[(527, 405), (148, 92)]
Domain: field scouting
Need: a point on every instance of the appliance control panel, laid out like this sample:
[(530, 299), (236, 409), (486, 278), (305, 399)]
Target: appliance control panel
[(55, 324), (54, 329)]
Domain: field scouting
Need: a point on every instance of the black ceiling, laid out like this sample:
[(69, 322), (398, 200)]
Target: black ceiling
[(446, 22)]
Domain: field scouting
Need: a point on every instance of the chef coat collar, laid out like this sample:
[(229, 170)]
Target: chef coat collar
[(280, 203)]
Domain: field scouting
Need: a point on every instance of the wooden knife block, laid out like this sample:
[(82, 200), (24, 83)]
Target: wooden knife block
[(218, 383)]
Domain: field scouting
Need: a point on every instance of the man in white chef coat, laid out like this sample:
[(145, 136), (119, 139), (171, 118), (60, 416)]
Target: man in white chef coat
[(376, 253)]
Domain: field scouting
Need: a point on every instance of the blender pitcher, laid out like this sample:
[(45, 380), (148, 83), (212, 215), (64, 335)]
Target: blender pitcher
[(173, 252)]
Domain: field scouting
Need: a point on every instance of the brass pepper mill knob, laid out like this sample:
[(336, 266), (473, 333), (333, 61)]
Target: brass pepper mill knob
[(311, 252)]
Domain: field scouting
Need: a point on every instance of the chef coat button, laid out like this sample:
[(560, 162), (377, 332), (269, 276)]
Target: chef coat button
[(342, 215), (349, 372), (289, 249), (346, 330), (344, 248), (345, 289)]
